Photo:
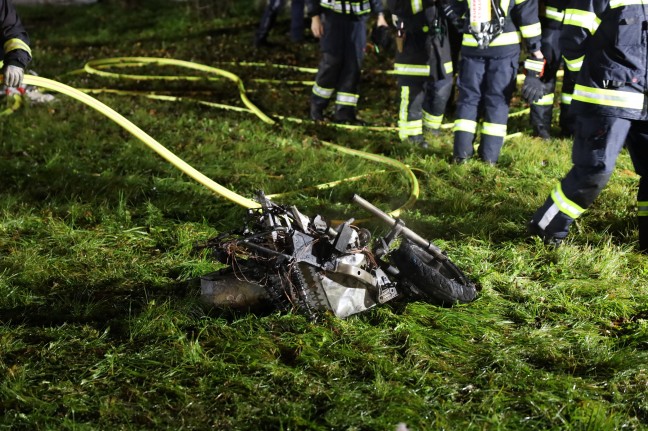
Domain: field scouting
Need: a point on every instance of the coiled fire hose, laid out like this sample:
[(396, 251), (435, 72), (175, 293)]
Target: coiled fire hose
[(95, 67)]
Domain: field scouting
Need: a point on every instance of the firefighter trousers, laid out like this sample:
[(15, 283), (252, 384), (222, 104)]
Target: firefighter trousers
[(342, 52), (542, 110), (485, 86), (269, 17), (597, 143), (422, 105)]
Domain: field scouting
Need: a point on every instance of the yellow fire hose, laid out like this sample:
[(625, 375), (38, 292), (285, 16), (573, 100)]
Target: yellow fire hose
[(95, 67)]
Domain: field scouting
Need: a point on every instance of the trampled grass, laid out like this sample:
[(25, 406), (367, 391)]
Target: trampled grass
[(101, 325)]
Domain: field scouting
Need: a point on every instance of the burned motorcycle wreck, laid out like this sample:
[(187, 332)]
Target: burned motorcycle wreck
[(301, 264)]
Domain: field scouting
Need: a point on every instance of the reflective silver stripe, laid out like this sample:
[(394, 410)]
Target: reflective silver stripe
[(606, 97), (566, 206), (432, 121), (549, 215), (510, 38), (566, 98), (642, 208), (357, 8), (461, 125), (325, 93), (409, 128), (583, 19), (534, 65), (547, 99), (575, 64), (619, 3), (404, 103), (412, 69), (493, 129), (347, 99), (554, 14)]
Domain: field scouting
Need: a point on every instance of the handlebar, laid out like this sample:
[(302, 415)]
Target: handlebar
[(395, 223)]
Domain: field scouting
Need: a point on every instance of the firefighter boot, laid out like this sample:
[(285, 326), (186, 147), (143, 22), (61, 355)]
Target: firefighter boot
[(643, 234)]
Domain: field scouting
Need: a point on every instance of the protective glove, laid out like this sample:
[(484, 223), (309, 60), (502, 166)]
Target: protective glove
[(13, 76), (452, 17), (382, 39), (533, 88)]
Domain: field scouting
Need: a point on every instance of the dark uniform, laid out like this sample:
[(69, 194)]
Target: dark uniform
[(487, 75), (423, 67), (607, 41), (269, 17), (15, 42), (342, 52), (552, 13)]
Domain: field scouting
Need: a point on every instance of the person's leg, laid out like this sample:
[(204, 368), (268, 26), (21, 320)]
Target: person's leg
[(297, 20), (499, 84), (435, 101), (471, 73), (268, 20), (542, 110), (330, 66), (410, 126), (637, 144), (597, 144), (355, 39)]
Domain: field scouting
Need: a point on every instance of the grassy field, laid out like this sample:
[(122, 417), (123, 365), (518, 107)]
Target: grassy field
[(101, 323)]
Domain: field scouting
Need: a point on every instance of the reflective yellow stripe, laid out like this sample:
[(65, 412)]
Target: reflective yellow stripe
[(448, 68), (547, 99), (13, 44), (565, 206), (348, 99), (619, 3), (322, 92), (575, 64), (409, 128), (461, 125), (432, 121), (535, 65), (606, 97), (404, 103), (357, 8), (417, 6), (493, 129), (412, 69), (510, 38), (566, 99), (554, 14), (642, 208), (580, 18), (532, 30)]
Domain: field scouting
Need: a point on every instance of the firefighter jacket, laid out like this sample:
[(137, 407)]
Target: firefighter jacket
[(424, 49), (355, 8), (552, 13), (15, 42), (521, 23), (604, 41)]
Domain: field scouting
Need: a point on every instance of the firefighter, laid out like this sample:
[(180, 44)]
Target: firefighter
[(551, 19), (423, 67), (16, 53), (269, 17), (341, 27), (605, 41), (490, 53)]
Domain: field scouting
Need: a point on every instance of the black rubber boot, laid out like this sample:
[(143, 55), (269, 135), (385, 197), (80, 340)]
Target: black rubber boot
[(643, 234)]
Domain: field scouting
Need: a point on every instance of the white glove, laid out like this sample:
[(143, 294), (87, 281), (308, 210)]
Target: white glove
[(13, 76)]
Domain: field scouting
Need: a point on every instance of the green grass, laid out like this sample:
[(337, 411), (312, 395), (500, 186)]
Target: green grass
[(101, 324)]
